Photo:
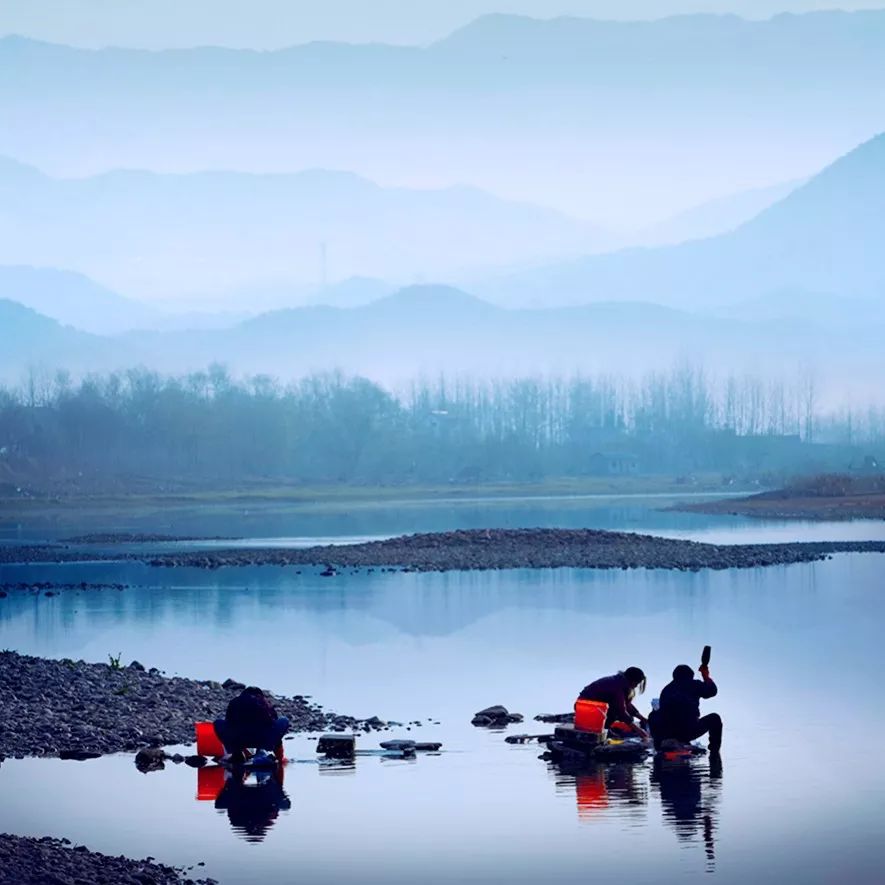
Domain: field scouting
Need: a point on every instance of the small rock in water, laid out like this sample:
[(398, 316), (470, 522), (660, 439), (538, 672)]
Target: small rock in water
[(195, 761), (496, 716), (398, 745), (557, 718), (337, 746), (150, 759)]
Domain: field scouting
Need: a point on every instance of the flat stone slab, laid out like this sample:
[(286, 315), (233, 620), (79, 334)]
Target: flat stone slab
[(337, 746)]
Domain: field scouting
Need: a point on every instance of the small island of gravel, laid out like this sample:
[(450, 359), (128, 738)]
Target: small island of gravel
[(477, 549)]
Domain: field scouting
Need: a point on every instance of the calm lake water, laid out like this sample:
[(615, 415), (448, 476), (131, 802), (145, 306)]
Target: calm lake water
[(797, 652)]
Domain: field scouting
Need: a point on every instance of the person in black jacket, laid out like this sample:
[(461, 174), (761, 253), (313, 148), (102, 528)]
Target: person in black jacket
[(251, 722), (679, 716)]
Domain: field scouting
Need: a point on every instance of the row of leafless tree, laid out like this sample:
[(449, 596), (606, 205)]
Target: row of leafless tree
[(335, 428)]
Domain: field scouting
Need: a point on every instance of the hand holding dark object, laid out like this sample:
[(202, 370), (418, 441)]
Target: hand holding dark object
[(704, 669)]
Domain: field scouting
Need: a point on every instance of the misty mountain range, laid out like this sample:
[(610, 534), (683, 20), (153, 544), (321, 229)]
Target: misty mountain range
[(426, 330), (167, 236), (639, 116), (621, 122), (826, 236), (800, 282), (239, 237)]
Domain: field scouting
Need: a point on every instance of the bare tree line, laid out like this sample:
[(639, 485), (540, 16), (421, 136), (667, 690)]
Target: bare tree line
[(332, 428)]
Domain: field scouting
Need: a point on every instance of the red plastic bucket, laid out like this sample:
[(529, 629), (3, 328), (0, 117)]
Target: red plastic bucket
[(590, 715), (207, 740)]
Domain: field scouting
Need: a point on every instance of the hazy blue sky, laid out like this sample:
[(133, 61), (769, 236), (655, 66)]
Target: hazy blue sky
[(267, 24)]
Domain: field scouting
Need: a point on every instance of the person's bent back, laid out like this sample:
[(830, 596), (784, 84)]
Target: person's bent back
[(618, 692), (679, 716), (251, 722)]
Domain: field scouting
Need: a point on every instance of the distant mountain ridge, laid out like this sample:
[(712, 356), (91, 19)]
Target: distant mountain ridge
[(72, 299), (427, 330), (156, 235), (825, 236), (523, 107)]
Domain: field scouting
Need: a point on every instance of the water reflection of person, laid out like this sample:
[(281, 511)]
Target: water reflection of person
[(252, 808), (690, 793)]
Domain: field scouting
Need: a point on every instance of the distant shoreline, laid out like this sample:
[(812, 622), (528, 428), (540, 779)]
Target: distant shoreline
[(477, 549), (794, 506)]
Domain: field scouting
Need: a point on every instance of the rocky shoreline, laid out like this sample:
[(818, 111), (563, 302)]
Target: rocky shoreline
[(76, 709), (27, 861), (479, 549)]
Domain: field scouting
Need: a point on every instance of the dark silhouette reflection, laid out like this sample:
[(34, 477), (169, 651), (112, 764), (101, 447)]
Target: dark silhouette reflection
[(620, 786), (690, 791), (253, 801)]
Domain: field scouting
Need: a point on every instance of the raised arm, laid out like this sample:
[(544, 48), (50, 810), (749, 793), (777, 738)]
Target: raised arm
[(707, 688)]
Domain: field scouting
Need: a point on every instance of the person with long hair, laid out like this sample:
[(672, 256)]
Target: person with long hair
[(618, 691)]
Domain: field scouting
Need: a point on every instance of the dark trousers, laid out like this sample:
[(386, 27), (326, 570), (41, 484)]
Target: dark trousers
[(263, 737), (686, 732)]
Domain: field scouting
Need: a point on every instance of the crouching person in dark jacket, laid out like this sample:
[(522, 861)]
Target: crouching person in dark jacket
[(679, 716), (251, 722)]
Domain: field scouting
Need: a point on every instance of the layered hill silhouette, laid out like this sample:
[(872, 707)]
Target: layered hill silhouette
[(824, 237), (558, 112), (160, 236), (73, 299), (431, 329)]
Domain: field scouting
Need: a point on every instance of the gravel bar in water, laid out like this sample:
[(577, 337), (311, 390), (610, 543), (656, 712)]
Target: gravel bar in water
[(53, 708), (485, 549)]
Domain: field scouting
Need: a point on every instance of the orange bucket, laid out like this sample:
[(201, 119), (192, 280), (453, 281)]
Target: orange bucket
[(590, 715), (207, 740)]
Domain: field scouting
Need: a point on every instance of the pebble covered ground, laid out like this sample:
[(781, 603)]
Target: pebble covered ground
[(48, 861), (61, 708), (485, 549)]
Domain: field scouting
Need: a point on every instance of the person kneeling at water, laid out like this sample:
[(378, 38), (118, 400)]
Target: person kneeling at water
[(618, 692), (679, 716), (251, 721)]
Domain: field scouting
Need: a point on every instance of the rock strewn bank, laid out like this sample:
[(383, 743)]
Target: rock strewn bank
[(490, 549), (794, 507), (26, 861), (50, 707)]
